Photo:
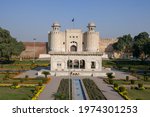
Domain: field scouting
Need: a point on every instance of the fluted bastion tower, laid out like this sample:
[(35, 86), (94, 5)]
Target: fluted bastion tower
[(55, 38), (74, 52), (92, 38)]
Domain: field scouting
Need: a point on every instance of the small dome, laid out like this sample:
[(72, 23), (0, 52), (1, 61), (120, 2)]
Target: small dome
[(91, 24), (56, 24)]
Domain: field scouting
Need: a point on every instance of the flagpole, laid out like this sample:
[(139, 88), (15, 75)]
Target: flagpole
[(73, 22)]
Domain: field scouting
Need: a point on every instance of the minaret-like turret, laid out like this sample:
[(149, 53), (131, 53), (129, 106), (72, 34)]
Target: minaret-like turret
[(92, 38), (55, 38)]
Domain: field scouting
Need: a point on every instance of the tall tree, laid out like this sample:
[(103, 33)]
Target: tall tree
[(141, 46), (8, 45), (124, 44)]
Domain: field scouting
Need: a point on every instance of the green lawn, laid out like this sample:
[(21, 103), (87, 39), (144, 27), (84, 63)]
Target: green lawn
[(23, 65), (124, 64), (23, 93), (2, 76), (139, 94)]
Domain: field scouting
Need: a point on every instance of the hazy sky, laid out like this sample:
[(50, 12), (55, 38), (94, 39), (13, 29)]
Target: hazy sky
[(28, 19)]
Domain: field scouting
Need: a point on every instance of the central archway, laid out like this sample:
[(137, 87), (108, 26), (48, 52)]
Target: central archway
[(73, 48)]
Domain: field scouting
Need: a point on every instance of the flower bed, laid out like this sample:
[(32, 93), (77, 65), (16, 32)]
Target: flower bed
[(63, 90), (35, 97)]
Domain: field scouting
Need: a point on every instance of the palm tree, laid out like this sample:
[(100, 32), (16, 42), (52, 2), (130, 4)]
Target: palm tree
[(110, 75), (45, 73)]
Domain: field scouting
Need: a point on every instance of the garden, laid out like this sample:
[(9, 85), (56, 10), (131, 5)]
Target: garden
[(130, 89), (93, 91), (22, 93), (63, 90), (20, 88), (22, 65), (139, 69)]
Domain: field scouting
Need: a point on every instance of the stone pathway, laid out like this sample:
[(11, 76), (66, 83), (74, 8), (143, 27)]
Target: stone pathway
[(122, 75), (107, 89), (30, 74), (53, 85), (50, 89)]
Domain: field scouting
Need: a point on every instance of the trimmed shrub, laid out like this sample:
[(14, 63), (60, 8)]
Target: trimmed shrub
[(116, 85), (40, 84), (111, 81), (132, 81), (127, 78), (26, 76), (140, 85), (21, 80), (15, 83), (122, 89)]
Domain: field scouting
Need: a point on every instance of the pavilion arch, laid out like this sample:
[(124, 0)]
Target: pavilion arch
[(82, 64), (76, 64)]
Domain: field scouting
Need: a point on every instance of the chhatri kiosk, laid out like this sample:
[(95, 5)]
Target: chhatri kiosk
[(74, 52)]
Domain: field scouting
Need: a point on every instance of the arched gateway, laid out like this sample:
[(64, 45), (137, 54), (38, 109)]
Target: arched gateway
[(74, 51)]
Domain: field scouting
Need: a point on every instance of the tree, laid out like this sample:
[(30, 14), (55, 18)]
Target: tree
[(146, 49), (110, 75), (124, 44), (8, 45), (141, 46), (45, 73)]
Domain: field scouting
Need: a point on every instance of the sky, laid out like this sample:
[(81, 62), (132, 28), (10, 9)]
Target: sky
[(28, 19)]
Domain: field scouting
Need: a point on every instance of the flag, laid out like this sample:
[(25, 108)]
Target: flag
[(73, 20)]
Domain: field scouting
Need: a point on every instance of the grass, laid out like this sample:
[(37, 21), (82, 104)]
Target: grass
[(21, 80), (22, 93), (124, 64), (123, 82), (23, 65), (134, 66), (139, 94)]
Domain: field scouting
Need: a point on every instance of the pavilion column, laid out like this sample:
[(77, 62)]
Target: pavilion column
[(72, 64), (79, 64)]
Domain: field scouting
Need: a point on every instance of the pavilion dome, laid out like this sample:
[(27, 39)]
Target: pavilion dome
[(91, 24), (56, 24)]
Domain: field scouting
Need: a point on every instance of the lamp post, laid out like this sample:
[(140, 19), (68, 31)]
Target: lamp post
[(34, 50)]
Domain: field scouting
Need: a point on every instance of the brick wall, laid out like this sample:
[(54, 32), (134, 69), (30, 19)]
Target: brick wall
[(40, 48)]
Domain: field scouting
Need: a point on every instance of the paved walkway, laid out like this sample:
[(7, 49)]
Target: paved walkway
[(30, 74), (122, 75), (53, 85), (107, 89), (50, 89)]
